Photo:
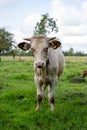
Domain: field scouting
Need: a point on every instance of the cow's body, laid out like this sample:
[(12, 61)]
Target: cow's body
[(48, 66)]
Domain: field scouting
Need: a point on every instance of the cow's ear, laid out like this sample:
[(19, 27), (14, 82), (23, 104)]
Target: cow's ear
[(27, 39), (54, 44), (24, 46), (51, 39)]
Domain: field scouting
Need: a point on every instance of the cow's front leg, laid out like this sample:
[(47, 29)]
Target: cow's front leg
[(43, 91), (51, 92), (39, 99), (39, 93)]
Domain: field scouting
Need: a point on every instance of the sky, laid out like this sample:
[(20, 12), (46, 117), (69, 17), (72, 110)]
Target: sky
[(20, 17)]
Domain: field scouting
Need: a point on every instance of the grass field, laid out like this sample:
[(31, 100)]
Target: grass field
[(18, 99)]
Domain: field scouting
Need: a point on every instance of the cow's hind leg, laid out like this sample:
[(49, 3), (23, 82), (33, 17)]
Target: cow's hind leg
[(51, 98)]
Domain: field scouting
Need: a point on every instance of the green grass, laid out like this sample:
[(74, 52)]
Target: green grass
[(18, 99)]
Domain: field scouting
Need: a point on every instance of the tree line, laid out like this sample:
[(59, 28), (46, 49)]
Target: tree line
[(71, 52)]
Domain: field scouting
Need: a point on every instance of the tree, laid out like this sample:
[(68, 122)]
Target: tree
[(71, 51), (46, 25), (6, 40)]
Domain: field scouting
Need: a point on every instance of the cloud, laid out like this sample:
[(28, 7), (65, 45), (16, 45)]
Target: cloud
[(71, 20), (27, 27), (77, 42), (74, 30), (4, 14), (72, 23), (29, 23), (4, 2), (68, 14), (84, 13), (18, 35)]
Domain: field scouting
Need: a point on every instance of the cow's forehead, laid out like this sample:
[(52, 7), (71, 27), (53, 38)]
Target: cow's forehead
[(40, 42)]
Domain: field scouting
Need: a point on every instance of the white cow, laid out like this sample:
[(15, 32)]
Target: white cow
[(48, 65)]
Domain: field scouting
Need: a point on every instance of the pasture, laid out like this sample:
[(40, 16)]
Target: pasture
[(18, 98), (30, 58)]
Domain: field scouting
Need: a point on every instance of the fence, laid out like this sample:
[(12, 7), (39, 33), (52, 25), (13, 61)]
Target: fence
[(76, 59)]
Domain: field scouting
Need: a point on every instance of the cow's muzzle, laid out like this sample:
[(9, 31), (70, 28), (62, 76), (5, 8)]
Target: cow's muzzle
[(40, 64)]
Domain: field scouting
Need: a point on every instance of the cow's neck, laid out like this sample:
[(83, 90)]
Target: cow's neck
[(40, 72)]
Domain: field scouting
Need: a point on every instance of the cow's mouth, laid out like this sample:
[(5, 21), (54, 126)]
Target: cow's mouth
[(40, 66)]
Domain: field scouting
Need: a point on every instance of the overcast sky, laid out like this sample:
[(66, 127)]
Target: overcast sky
[(20, 17)]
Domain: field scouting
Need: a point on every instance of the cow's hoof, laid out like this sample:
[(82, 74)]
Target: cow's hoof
[(52, 108), (37, 108)]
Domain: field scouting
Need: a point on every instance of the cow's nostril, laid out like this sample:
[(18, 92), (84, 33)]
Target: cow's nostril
[(43, 63), (39, 64), (35, 63)]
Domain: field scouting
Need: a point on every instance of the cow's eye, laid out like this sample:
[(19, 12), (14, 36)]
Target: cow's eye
[(32, 49), (46, 49)]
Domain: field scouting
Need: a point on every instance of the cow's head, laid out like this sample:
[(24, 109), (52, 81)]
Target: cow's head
[(39, 45)]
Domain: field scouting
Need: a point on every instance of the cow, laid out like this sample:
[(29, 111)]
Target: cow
[(84, 73), (48, 65)]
